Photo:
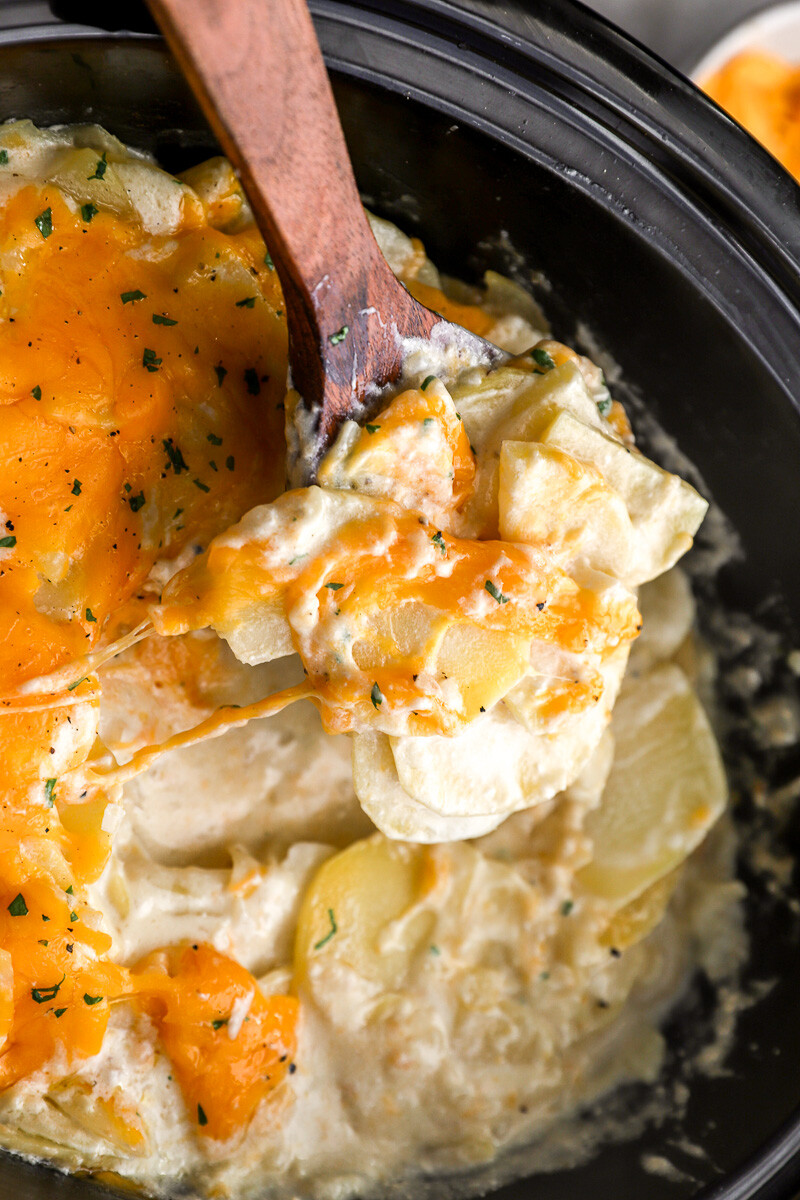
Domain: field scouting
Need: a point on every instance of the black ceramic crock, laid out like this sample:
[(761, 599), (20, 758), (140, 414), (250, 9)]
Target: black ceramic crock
[(665, 229)]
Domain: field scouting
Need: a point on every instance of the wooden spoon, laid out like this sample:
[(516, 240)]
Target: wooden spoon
[(256, 68)]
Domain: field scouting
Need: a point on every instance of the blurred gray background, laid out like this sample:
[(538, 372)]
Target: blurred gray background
[(679, 30)]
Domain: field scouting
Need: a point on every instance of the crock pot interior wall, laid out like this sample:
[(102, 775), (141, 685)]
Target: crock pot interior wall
[(717, 389)]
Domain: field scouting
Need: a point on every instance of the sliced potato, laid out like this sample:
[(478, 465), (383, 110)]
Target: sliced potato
[(352, 899), (666, 788), (549, 498), (638, 918), (75, 172), (664, 510), (494, 767), (394, 812), (667, 608)]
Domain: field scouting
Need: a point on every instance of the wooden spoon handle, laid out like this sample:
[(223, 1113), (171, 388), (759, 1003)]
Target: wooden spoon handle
[(257, 70)]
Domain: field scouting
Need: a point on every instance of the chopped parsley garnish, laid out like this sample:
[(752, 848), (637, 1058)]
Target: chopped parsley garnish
[(70, 890), (59, 1012), (373, 428), (334, 586), (3, 157), (438, 541), (90, 616), (137, 502), (71, 686), (129, 297), (18, 907), (213, 465), (567, 907), (43, 995), (177, 461), (251, 379), (335, 338), (158, 319), (88, 211), (100, 169), (7, 542), (215, 441), (43, 942), (435, 950), (90, 1000), (219, 1023), (604, 406), (73, 916), (150, 360), (76, 487), (44, 222), (221, 373), (248, 302), (268, 261), (202, 1119), (230, 462), (542, 359), (203, 486), (495, 592), (376, 696), (427, 382), (333, 929), (36, 392), (49, 789)]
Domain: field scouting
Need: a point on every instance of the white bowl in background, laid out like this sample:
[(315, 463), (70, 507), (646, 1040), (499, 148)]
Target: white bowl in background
[(775, 29)]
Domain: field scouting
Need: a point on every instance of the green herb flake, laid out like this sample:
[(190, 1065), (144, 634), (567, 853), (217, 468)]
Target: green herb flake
[(567, 907), (76, 487), (251, 379), (88, 211), (137, 502), (36, 392), (3, 157), (427, 422), (230, 462), (42, 995), (219, 1023), (202, 1119), (176, 459), (438, 542), (544, 975), (373, 428), (213, 465), (248, 302), (130, 297), (198, 483), (495, 592), (604, 406), (221, 372), (90, 616), (335, 338), (73, 916), (158, 319), (59, 1012), (268, 261), (49, 789), (542, 358), (333, 930), (427, 382), (90, 1000), (43, 942), (8, 542), (215, 441), (334, 587), (100, 169), (435, 951), (376, 696), (44, 918), (18, 907), (150, 360), (70, 890), (71, 686), (44, 222)]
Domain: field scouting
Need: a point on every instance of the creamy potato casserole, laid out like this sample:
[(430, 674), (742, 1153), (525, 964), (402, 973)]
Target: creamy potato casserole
[(348, 831)]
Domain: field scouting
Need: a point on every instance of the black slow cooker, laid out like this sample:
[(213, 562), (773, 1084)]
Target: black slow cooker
[(570, 156)]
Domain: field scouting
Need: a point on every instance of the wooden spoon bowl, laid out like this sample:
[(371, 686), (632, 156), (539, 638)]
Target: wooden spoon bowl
[(257, 71)]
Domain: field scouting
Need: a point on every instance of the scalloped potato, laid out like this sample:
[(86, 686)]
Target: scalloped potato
[(335, 846)]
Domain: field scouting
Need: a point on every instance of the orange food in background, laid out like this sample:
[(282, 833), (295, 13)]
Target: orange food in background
[(762, 93)]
